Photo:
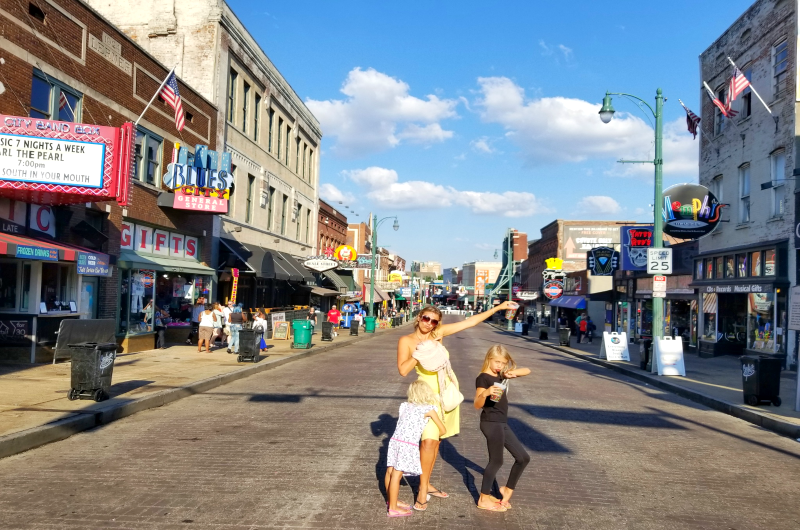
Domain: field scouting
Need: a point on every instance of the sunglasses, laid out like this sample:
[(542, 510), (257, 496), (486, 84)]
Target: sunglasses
[(426, 319)]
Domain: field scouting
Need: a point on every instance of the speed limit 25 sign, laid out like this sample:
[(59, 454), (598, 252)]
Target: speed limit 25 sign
[(659, 261)]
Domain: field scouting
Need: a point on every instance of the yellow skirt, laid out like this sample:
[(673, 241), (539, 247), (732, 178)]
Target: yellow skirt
[(451, 420)]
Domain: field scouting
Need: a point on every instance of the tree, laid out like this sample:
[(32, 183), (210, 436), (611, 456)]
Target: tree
[(441, 277)]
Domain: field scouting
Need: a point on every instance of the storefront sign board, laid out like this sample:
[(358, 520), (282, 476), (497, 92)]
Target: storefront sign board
[(148, 240), (615, 347), (794, 309), (38, 253), (602, 261), (738, 288), (669, 356), (280, 330), (43, 219), (235, 286), (635, 242), (184, 199), (277, 317), (553, 289), (320, 264), (93, 264), (690, 211)]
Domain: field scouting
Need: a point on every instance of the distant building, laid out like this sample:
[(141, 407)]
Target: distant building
[(432, 269), (476, 276), (331, 228)]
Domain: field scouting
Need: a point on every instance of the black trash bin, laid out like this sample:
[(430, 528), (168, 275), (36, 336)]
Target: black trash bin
[(354, 327), (564, 336), (761, 379), (644, 354), (543, 332), (327, 331), (92, 367), (525, 328), (249, 345)]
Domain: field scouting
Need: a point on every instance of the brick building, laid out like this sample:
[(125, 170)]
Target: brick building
[(64, 62), (331, 228)]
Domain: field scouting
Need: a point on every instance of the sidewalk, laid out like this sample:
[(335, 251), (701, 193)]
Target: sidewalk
[(715, 382), (34, 408)]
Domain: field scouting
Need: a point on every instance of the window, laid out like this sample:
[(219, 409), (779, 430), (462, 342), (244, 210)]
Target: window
[(777, 164), (251, 192), (745, 108), (698, 273), (25, 300), (288, 130), (245, 100), (256, 114), (305, 148), (709, 317), (716, 187), (770, 262), (311, 165), (280, 133), (755, 263), (283, 214), (744, 194), (719, 118), (271, 119), (308, 226), (741, 265), (761, 321), (719, 266), (232, 77), (231, 202), (36, 12), (297, 158), (270, 207), (780, 66), (148, 157), (730, 267), (709, 269), (299, 223), (51, 100), (56, 287), (8, 285)]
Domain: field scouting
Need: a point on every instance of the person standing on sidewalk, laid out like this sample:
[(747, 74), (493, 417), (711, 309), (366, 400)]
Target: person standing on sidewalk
[(579, 327), (237, 320), (583, 328), (590, 329), (227, 310), (199, 307), (219, 322), (312, 316), (334, 316), (427, 328), (206, 328)]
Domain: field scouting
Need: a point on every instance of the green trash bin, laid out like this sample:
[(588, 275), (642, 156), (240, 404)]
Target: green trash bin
[(369, 324), (302, 334)]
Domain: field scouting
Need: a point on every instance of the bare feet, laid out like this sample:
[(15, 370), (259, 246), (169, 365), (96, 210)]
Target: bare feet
[(506, 493)]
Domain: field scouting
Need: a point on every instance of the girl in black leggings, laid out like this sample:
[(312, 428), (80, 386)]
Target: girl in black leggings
[(498, 367)]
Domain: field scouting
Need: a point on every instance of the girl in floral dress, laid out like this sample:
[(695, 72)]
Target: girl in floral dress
[(403, 455)]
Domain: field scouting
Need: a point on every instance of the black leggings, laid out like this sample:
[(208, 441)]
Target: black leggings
[(499, 435)]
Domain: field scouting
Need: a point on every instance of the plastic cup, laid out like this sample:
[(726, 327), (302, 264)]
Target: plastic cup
[(500, 395)]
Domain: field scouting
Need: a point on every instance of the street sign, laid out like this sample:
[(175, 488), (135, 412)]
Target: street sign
[(659, 261), (660, 283), (659, 294)]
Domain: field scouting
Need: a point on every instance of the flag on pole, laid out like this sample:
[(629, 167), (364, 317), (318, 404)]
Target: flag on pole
[(738, 84), (692, 120), (62, 101), (173, 98), (725, 109)]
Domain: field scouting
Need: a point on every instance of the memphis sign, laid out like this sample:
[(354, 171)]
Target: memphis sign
[(690, 211)]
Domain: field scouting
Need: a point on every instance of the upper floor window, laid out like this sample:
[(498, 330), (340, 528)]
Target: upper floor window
[(251, 193), (297, 158), (245, 101), (52, 100), (780, 66), (716, 187), (256, 114), (305, 148), (299, 223), (271, 119), (308, 226), (270, 207), (286, 154), (280, 134), (232, 78), (744, 194), (284, 206), (719, 118), (745, 108), (777, 163), (148, 157)]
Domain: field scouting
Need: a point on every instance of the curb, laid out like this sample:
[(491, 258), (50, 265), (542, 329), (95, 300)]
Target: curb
[(117, 408), (784, 428)]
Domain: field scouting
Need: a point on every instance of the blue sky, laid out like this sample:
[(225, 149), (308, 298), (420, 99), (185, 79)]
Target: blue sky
[(465, 118)]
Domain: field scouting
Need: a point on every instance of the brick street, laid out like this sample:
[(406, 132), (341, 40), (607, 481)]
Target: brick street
[(302, 446)]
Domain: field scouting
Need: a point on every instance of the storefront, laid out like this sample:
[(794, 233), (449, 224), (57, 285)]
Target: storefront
[(680, 310), (743, 300)]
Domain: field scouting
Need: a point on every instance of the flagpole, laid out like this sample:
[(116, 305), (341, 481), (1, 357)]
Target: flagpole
[(715, 97), (164, 82), (752, 89)]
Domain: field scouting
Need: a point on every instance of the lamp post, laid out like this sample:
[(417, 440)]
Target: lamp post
[(510, 259), (606, 113), (375, 225)]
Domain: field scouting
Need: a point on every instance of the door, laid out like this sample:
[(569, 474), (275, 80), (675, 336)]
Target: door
[(89, 297)]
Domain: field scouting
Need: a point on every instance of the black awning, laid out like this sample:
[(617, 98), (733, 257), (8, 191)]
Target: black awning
[(241, 256), (298, 269), (283, 266)]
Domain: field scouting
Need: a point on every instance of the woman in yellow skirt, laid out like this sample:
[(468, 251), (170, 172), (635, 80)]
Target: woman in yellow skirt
[(427, 326)]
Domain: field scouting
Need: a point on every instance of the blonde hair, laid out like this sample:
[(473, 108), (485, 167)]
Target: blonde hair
[(421, 393), (498, 351), (429, 309)]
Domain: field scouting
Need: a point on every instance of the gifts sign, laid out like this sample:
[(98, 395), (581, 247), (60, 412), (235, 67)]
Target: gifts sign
[(235, 273)]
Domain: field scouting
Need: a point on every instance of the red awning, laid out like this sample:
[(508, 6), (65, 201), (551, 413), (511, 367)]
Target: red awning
[(9, 244)]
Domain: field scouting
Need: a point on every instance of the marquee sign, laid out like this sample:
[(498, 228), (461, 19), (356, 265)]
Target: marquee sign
[(54, 162), (690, 211), (202, 185)]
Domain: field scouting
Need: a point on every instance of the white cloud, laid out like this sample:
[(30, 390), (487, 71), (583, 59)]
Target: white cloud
[(550, 51), (486, 246), (379, 113), (598, 205), (559, 129), (332, 194), (385, 189), (482, 145)]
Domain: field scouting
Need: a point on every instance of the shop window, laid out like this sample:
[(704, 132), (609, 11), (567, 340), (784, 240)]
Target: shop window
[(755, 264), (709, 317), (744, 194), (778, 173), (148, 157), (730, 267), (53, 100), (770, 257), (741, 265), (709, 269), (732, 314), (8, 284), (136, 296), (57, 288), (718, 268), (761, 325), (698, 273)]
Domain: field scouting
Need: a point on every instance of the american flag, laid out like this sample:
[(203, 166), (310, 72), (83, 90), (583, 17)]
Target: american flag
[(692, 120), (725, 109), (173, 98), (62, 101), (738, 84)]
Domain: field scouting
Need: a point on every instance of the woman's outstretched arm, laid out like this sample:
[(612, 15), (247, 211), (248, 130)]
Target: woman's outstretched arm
[(449, 329)]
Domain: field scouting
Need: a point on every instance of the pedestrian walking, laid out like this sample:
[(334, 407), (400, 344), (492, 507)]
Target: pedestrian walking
[(206, 328), (583, 328), (590, 329), (226, 328), (334, 316), (427, 330), (161, 319), (402, 457), (198, 308), (580, 329), (236, 323), (219, 323), (312, 316), (491, 395), (530, 319), (260, 325)]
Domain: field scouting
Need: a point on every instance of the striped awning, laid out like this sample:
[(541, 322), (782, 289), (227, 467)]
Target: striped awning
[(709, 302)]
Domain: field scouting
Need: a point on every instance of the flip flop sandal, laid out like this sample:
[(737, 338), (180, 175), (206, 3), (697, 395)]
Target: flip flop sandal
[(401, 505), (496, 508), (425, 504), (506, 505), (398, 513), (438, 494)]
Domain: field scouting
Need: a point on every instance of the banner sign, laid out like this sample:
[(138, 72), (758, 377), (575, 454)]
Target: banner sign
[(615, 347), (54, 162), (235, 286), (635, 242), (602, 261), (481, 278), (690, 211), (13, 330), (93, 264)]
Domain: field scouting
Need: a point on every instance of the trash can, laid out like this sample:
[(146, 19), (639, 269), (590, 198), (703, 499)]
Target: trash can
[(249, 345), (525, 327), (761, 379), (543, 330), (644, 354), (563, 336), (302, 334), (327, 331), (92, 366), (354, 325), (369, 324)]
